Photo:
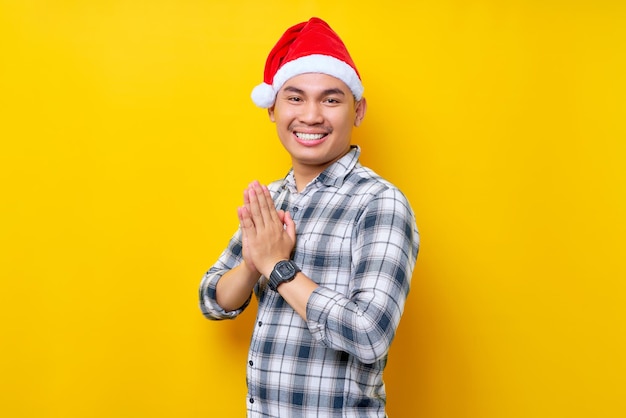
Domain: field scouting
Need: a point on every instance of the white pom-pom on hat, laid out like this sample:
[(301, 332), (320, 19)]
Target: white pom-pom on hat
[(263, 95)]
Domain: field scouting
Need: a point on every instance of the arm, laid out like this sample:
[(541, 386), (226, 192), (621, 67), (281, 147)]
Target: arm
[(385, 246), (384, 252), (225, 269), (227, 287), (234, 288)]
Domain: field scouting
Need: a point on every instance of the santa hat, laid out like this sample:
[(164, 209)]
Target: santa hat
[(308, 47)]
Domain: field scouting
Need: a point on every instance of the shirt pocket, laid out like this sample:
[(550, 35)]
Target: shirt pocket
[(326, 262)]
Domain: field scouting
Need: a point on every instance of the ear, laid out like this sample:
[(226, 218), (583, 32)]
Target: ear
[(270, 112), (361, 108)]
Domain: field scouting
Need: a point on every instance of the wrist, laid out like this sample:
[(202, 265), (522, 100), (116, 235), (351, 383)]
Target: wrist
[(249, 269), (283, 272), (268, 268)]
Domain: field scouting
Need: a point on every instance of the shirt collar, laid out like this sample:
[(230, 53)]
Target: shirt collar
[(333, 175)]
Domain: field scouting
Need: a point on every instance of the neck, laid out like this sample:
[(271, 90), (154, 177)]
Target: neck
[(304, 174)]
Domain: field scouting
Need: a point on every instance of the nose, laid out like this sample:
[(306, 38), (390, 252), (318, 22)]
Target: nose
[(311, 113)]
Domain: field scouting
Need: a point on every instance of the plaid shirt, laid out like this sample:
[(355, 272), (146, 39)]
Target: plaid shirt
[(356, 238)]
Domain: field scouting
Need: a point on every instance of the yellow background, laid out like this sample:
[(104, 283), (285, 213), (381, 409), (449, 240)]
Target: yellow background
[(127, 136)]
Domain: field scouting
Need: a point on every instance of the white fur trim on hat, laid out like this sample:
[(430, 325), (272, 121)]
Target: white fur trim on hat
[(264, 95)]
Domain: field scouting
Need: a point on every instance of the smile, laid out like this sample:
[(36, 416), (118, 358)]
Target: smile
[(309, 137)]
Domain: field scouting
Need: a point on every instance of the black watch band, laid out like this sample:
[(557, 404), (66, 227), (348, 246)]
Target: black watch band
[(284, 271)]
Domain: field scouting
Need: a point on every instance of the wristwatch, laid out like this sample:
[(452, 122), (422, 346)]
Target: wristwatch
[(284, 271)]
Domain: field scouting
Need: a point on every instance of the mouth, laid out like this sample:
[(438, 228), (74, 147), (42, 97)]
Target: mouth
[(309, 137)]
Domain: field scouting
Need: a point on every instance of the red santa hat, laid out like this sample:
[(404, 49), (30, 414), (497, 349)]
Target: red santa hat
[(308, 47)]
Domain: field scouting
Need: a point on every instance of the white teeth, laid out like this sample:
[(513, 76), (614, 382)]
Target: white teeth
[(309, 137)]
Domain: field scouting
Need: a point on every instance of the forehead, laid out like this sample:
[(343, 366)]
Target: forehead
[(311, 83)]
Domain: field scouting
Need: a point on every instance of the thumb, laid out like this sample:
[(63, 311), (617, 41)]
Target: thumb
[(290, 226), (281, 216)]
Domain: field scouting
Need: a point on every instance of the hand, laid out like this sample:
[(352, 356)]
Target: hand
[(247, 261), (268, 235)]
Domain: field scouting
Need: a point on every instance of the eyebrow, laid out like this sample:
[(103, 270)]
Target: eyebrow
[(326, 92)]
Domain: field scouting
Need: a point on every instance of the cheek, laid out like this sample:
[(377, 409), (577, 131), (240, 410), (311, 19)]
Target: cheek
[(283, 119), (344, 122)]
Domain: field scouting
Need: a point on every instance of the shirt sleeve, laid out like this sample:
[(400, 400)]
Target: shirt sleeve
[(229, 258), (386, 242)]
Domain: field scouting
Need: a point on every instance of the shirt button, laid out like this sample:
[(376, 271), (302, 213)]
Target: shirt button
[(251, 400), (295, 209), (251, 363), (260, 323)]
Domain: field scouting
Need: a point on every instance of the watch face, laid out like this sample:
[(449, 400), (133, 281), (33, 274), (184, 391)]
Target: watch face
[(285, 269)]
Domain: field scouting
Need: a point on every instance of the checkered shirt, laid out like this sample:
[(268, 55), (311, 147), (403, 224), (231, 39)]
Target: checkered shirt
[(356, 238)]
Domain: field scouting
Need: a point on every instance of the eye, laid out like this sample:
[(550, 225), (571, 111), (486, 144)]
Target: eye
[(295, 99), (331, 100)]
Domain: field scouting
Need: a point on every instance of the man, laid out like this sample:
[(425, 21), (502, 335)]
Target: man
[(328, 251)]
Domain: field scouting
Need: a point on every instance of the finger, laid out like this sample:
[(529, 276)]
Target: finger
[(245, 220), (270, 204), (246, 199), (290, 227), (266, 208), (266, 204), (254, 207)]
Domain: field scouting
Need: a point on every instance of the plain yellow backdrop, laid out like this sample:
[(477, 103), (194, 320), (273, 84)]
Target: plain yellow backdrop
[(127, 136)]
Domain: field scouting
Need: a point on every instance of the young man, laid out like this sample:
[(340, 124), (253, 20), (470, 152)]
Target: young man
[(328, 251)]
